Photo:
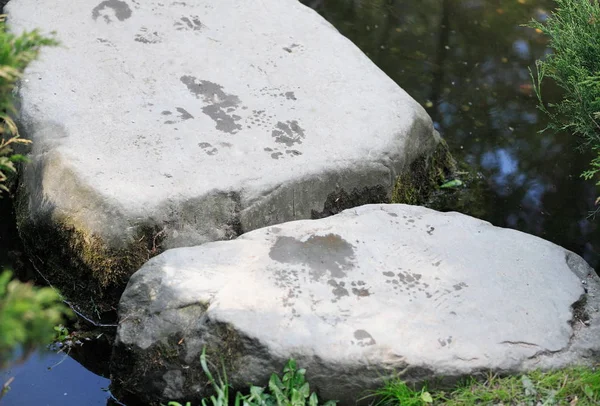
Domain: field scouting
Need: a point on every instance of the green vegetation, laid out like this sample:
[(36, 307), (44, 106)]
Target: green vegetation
[(574, 32), (289, 390), (574, 386), (28, 314), (16, 52)]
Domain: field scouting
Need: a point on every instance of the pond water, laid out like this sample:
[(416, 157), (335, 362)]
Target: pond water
[(466, 62), (52, 379)]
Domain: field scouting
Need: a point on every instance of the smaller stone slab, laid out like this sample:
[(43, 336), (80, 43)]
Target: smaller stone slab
[(357, 298)]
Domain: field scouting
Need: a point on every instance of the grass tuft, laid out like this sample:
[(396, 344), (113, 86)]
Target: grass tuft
[(573, 386)]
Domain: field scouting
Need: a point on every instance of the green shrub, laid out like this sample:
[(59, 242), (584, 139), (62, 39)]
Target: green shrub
[(574, 33), (16, 52), (28, 315), (289, 390)]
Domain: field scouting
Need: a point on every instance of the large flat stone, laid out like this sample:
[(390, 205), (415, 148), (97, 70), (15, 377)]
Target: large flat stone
[(357, 298), (160, 124)]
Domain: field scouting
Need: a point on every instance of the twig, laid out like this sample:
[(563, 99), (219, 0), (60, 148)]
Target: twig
[(62, 360), (72, 306), (155, 237), (6, 387)]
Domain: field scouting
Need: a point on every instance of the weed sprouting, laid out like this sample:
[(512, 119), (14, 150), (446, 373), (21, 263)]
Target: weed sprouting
[(289, 390)]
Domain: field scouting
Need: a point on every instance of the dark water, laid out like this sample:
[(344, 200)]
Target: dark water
[(467, 62)]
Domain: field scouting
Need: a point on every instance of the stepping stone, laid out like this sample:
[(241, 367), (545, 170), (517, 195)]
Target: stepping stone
[(160, 124), (356, 298)]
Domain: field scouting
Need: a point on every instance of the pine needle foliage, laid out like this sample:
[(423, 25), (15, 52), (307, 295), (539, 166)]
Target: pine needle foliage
[(574, 33)]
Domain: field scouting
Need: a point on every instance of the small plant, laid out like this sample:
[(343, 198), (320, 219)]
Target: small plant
[(396, 392), (289, 390), (61, 333), (16, 52), (574, 33)]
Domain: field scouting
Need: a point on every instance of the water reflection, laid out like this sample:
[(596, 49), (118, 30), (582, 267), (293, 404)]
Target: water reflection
[(53, 379), (467, 62)]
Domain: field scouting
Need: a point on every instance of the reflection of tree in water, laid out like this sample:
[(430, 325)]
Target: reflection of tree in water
[(467, 61)]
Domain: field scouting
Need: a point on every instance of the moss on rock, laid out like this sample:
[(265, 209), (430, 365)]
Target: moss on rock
[(423, 176), (90, 274)]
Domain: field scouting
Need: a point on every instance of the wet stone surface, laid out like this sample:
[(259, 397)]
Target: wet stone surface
[(371, 286)]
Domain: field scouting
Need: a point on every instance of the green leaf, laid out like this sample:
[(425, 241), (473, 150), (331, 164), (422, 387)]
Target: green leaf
[(18, 158), (589, 392), (426, 397), (452, 184), (297, 398), (275, 386), (276, 381), (290, 366), (304, 390)]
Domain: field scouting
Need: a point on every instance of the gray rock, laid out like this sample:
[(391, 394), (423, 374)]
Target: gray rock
[(159, 124), (356, 298)]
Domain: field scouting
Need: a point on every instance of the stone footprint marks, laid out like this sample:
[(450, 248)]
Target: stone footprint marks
[(288, 134), (182, 115), (106, 42), (220, 106), (208, 148), (225, 109), (408, 282), (412, 284), (285, 135), (363, 339), (110, 9), (289, 280), (191, 23), (146, 36), (293, 48)]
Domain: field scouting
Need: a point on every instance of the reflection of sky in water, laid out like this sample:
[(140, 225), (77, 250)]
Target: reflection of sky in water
[(521, 48), (504, 167), (535, 192), (53, 380)]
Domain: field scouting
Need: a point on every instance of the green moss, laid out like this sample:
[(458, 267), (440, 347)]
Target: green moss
[(90, 274), (424, 176)]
